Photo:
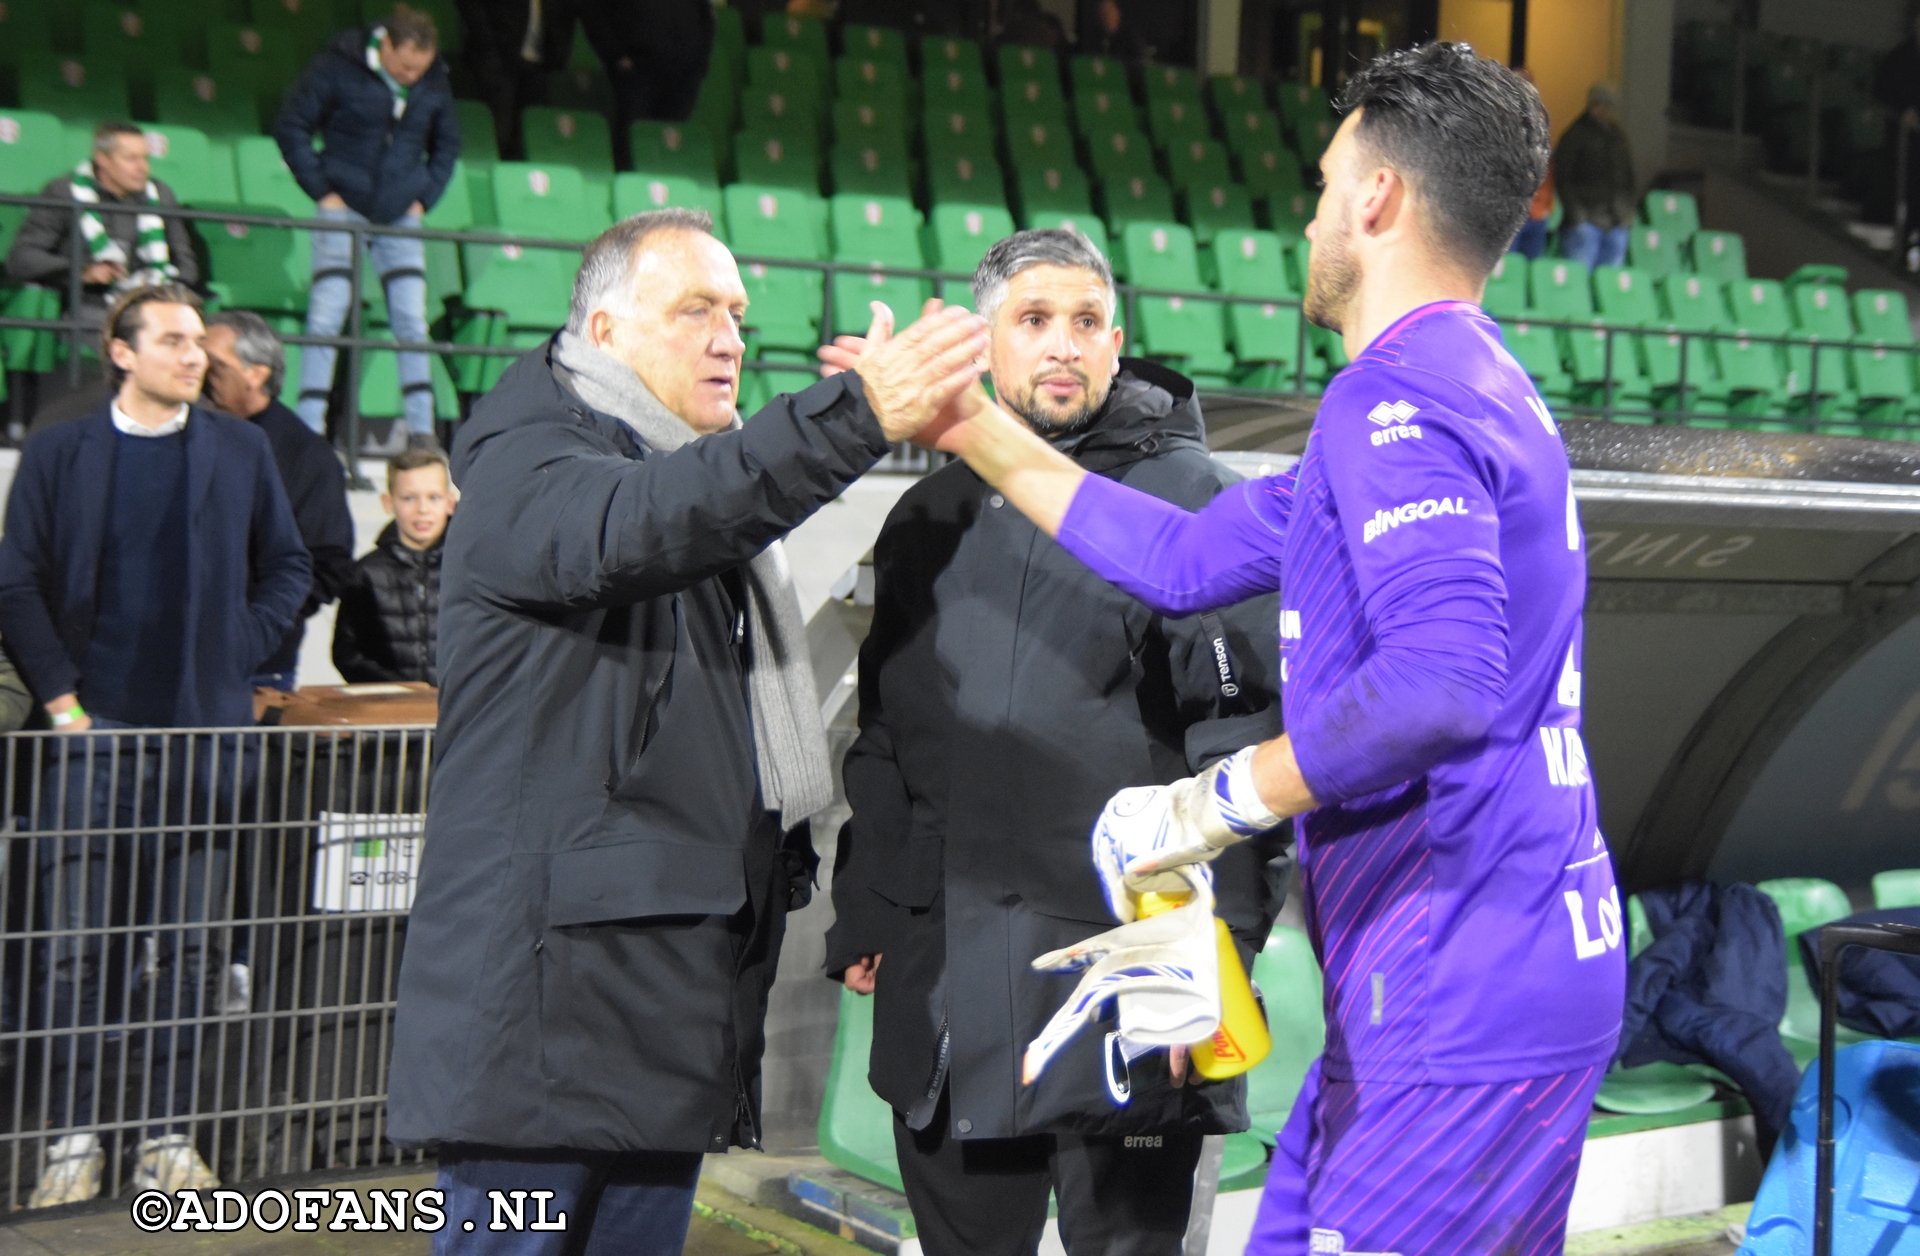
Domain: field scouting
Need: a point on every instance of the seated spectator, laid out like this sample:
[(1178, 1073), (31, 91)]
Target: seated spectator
[(246, 363), (129, 247), (149, 565), (389, 619), (1593, 171)]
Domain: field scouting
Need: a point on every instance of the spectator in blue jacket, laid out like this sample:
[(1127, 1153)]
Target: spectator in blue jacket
[(380, 102), (150, 564)]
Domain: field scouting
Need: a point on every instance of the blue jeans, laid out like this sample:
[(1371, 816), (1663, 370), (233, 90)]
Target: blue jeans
[(402, 267), (1584, 242), (128, 842), (635, 1203), (1531, 243)]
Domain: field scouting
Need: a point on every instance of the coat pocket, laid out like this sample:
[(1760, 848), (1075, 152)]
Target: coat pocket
[(600, 883)]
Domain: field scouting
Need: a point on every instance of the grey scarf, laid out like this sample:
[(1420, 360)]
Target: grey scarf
[(789, 740)]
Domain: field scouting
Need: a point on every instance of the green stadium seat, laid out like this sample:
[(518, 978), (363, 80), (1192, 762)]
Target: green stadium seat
[(881, 43), (1675, 213), (1289, 214), (1175, 122), (1540, 354), (856, 1125), (479, 147), (635, 193), (565, 137), (1161, 255), (1311, 140), (1563, 290), (1060, 189), (1289, 979), (1265, 338), (1197, 162), (875, 231), (1248, 263), (26, 37), (454, 210), (717, 108), (1884, 368), (1302, 103), (186, 97), (939, 53), (257, 268), (957, 237), (956, 88), (265, 181), (1560, 289), (1170, 82), (1898, 887), (33, 151), (790, 72), (1654, 252), (1652, 1089), (680, 149), (1085, 223), (1271, 170), (531, 286), (789, 32), (1097, 74), (1805, 903), (1720, 254), (730, 42), (1121, 152), (1233, 94), (956, 133), (141, 40), (75, 89), (1040, 144), (1026, 101), (863, 170), (863, 124), (784, 305), (1881, 314), (197, 171), (966, 181), (786, 161), (1018, 61), (1105, 112), (1252, 128), (1820, 310), (773, 111), (260, 55), (1219, 207), (1135, 199), (1506, 292), (1761, 308), (547, 199), (870, 78)]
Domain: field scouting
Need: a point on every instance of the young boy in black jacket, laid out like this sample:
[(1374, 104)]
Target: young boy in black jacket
[(390, 618)]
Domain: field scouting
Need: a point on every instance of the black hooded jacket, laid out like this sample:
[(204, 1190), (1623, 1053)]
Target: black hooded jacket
[(389, 616), (1006, 693)]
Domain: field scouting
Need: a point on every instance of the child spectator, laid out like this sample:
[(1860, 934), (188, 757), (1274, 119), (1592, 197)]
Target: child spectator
[(390, 618)]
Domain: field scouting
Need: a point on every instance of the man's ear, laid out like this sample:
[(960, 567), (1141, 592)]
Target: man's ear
[(600, 329), (121, 353), (1119, 343), (386, 502), (1383, 197)]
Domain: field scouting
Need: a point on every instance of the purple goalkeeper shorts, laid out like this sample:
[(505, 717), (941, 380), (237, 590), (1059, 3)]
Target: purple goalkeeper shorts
[(1379, 1167)]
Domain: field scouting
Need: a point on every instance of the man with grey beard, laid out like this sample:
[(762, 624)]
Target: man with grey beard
[(1005, 694)]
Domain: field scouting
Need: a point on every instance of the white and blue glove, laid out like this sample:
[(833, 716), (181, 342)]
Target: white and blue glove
[(1147, 831)]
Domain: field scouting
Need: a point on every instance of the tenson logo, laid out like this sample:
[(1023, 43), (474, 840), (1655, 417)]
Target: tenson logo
[(1384, 521)]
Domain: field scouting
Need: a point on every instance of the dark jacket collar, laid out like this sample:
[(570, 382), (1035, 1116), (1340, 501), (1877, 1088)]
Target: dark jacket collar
[(1150, 410), (528, 394), (389, 540)]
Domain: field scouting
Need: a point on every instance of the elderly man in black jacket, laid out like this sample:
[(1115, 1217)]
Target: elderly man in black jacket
[(630, 743), (1006, 692), (379, 100)]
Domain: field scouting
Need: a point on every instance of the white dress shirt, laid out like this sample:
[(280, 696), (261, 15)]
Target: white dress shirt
[(126, 424)]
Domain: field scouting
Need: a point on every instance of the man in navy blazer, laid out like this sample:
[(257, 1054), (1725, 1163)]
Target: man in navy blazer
[(150, 564)]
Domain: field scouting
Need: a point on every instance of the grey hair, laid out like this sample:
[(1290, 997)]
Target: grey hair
[(256, 344), (1023, 250), (606, 271)]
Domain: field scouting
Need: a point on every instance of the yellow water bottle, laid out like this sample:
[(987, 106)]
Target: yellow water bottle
[(1242, 1040)]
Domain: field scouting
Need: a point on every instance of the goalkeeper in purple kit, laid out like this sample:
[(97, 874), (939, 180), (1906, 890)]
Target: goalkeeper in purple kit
[(1432, 572)]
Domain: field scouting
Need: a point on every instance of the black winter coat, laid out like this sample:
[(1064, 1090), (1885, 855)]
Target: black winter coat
[(317, 492), (378, 164), (389, 616), (602, 896), (1006, 693)]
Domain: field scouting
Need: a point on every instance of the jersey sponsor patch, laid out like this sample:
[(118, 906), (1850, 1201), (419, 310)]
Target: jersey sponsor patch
[(1566, 757), (1385, 521)]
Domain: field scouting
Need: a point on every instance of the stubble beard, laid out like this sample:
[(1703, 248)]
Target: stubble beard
[(1332, 278), (1054, 424)]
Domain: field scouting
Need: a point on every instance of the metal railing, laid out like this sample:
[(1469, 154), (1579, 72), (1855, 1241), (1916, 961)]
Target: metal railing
[(202, 933), (1304, 381)]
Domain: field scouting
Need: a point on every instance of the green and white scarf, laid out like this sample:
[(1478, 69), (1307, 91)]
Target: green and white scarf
[(150, 236), (379, 67)]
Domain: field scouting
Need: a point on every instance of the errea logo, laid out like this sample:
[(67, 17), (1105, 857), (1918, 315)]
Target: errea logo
[(1387, 414)]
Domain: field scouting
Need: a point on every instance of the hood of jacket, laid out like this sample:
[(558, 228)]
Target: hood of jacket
[(1150, 409)]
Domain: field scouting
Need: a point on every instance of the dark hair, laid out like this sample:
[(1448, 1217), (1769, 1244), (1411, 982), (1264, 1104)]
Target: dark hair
[(408, 25), (414, 460), (107, 132), (1469, 133), (125, 321)]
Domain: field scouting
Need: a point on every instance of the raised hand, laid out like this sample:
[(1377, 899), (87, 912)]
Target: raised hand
[(910, 377)]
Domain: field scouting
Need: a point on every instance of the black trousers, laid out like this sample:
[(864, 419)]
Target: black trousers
[(1119, 1196)]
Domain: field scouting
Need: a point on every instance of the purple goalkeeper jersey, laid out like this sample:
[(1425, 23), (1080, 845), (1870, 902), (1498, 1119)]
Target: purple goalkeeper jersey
[(1458, 889)]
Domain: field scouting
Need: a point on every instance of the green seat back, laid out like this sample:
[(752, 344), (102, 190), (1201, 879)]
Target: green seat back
[(961, 234), (223, 110), (1897, 887), (1625, 294), (1105, 111), (1271, 170), (637, 193), (773, 221), (33, 151), (1695, 302), (1805, 903), (1675, 213), (262, 55), (1639, 929), (1289, 213), (966, 180), (1269, 334), (549, 201), (1652, 1090), (882, 43), (730, 40), (1040, 144), (140, 39), (1301, 102), (1311, 140), (1654, 251), (1822, 310), (954, 133), (1232, 93), (680, 149), (789, 71), (953, 87), (1118, 153), (186, 161), (1169, 83), (1253, 126), (1760, 306), (871, 78), (75, 89), (717, 107), (1057, 189), (1747, 368), (1177, 121), (567, 137), (1251, 263), (265, 181), (1135, 198), (1097, 74), (1506, 294), (26, 35), (1882, 373), (1031, 100), (856, 1125), (1561, 288), (942, 52), (1211, 209), (1289, 979), (1540, 353), (878, 231), (479, 147), (1018, 61), (1159, 255), (864, 124), (1197, 162), (1085, 223), (770, 160), (774, 111), (454, 210), (257, 268), (864, 170), (1882, 316), (1720, 254), (807, 35)]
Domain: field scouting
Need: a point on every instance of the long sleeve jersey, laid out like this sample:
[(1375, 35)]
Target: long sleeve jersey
[(1432, 572)]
